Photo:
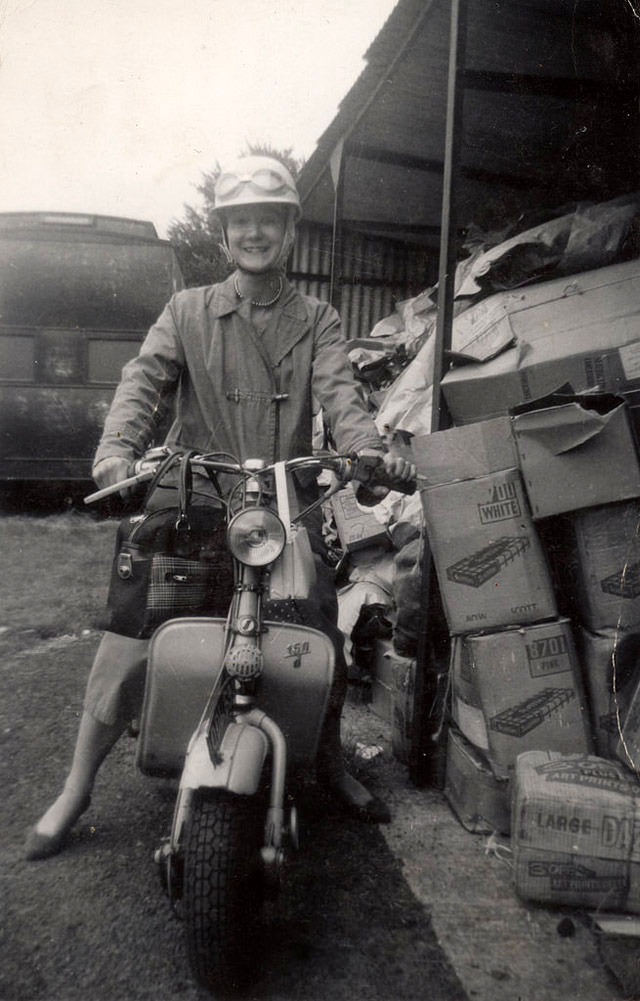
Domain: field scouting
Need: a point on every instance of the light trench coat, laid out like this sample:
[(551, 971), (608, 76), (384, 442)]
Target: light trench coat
[(232, 390), (235, 390)]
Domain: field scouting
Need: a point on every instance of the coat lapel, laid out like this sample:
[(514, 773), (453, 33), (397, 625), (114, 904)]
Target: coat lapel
[(288, 326)]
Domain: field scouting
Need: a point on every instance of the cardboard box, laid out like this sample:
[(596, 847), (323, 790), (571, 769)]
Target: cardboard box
[(490, 564), (466, 707), (530, 690), (574, 831), (611, 671), (357, 527), (480, 801), (574, 457), (598, 557), (628, 745), (559, 305), (464, 453), (403, 689), (582, 331), (393, 685)]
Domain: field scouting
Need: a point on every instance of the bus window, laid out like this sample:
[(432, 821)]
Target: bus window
[(77, 295)]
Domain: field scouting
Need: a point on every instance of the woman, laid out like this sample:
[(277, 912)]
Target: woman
[(241, 364)]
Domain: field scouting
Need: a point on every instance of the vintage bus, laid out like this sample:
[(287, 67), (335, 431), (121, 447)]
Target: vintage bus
[(77, 294)]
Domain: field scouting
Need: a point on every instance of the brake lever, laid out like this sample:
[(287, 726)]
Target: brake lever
[(316, 503)]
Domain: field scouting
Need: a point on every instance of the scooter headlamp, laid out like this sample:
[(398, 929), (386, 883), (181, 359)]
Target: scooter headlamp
[(256, 536)]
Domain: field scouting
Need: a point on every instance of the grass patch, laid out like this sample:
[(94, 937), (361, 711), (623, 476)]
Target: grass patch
[(56, 573)]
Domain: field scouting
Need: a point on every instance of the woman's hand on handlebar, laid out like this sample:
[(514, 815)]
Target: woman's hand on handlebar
[(398, 468), (112, 470), (116, 475), (381, 472)]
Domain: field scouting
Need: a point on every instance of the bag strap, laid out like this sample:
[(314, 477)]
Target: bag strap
[(185, 491), (282, 496), (162, 469)]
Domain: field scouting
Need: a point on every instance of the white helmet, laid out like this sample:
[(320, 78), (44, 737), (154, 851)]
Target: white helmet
[(256, 180)]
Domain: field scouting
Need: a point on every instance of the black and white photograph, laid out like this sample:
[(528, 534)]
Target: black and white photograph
[(320, 500)]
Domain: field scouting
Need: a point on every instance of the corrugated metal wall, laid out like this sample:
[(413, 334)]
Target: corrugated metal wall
[(372, 274)]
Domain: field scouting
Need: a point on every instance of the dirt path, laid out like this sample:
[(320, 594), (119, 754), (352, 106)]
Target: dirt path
[(94, 924), (367, 914)]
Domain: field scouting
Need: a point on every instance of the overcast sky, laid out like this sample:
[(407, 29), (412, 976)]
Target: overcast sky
[(119, 106)]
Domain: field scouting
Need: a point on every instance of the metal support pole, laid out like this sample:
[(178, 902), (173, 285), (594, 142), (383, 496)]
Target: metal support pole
[(337, 175), (426, 760)]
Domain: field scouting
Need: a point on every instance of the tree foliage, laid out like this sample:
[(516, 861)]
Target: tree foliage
[(196, 237)]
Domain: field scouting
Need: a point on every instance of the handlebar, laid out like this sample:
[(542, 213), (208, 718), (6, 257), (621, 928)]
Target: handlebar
[(366, 470)]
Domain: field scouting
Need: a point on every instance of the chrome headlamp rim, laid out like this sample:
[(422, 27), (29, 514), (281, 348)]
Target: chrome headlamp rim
[(256, 536)]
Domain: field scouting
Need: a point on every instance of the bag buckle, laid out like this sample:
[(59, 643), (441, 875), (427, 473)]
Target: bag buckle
[(124, 566), (182, 523)]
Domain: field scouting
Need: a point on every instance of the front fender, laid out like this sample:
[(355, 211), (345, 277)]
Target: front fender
[(243, 751)]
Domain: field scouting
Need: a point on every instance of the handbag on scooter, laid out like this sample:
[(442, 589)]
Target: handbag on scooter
[(168, 562)]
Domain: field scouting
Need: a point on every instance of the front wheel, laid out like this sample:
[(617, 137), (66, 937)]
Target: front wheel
[(223, 891)]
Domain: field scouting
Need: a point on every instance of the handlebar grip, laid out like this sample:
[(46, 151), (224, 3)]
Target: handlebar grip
[(407, 487), (369, 471), (115, 488)]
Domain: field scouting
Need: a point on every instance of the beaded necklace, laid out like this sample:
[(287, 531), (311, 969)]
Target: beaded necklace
[(259, 302)]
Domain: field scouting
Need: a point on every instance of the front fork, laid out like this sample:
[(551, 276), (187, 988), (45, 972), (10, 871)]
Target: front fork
[(250, 737), (243, 750)]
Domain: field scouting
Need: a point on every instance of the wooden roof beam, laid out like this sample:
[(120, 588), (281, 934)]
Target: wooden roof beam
[(420, 229), (528, 85), (409, 161)]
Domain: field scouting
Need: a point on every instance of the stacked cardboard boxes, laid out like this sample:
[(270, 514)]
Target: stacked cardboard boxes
[(575, 820), (516, 680), (491, 568), (597, 556), (591, 458), (531, 505), (579, 330), (541, 661)]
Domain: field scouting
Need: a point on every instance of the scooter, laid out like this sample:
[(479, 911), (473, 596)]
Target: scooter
[(232, 708)]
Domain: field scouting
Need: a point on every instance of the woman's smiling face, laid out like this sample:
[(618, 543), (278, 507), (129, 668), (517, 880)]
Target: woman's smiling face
[(255, 234)]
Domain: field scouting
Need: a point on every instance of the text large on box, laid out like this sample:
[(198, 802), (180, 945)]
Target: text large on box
[(575, 831)]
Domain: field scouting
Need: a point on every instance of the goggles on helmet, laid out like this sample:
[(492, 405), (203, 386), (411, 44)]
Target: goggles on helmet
[(253, 180), (264, 181)]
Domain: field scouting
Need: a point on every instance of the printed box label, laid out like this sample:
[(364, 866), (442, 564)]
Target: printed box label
[(547, 655), (503, 505)]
